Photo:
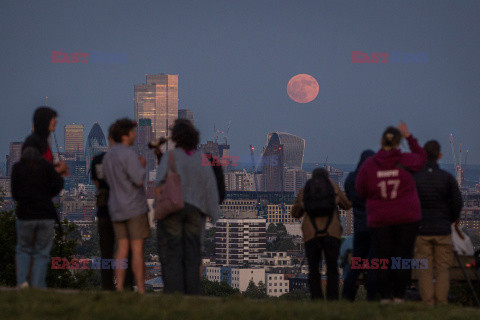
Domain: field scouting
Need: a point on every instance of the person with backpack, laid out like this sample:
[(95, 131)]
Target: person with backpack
[(362, 242), (322, 230), (441, 202), (34, 183), (393, 208)]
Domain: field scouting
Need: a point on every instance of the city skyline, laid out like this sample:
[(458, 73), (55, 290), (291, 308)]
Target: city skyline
[(234, 61)]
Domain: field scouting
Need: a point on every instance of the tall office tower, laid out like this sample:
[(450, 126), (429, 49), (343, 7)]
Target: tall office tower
[(14, 154), (273, 171), (293, 148), (96, 144), (283, 151), (157, 100), (144, 136), (74, 139), (240, 239), (186, 114)]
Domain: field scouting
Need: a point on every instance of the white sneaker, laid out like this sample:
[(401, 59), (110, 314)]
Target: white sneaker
[(385, 301), (398, 300), (23, 285)]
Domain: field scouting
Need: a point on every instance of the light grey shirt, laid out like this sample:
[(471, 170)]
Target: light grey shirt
[(124, 173), (199, 185)]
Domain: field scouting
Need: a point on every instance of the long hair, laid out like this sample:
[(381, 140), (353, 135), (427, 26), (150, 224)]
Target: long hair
[(391, 138)]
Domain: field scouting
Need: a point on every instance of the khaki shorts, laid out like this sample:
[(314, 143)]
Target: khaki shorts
[(133, 228)]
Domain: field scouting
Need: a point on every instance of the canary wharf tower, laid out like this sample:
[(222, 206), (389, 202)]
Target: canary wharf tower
[(157, 100)]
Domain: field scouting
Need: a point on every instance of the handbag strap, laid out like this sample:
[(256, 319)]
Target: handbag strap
[(171, 162)]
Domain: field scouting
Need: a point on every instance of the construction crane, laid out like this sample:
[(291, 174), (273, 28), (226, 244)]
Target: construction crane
[(464, 168), (257, 205), (457, 166), (215, 136), (225, 136), (56, 145)]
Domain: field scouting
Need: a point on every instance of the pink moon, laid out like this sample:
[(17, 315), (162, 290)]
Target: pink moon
[(302, 88)]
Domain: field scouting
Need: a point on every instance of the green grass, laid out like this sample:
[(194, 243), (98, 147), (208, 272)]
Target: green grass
[(35, 304)]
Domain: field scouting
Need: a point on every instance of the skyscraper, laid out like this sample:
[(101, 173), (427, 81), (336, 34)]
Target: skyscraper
[(96, 144), (186, 114), (273, 172), (287, 171), (74, 139), (15, 151), (294, 148), (157, 100)]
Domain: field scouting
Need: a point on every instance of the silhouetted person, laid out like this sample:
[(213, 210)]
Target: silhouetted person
[(34, 183), (441, 202), (44, 123), (179, 234), (393, 207), (105, 226), (127, 202), (362, 242), (321, 234)]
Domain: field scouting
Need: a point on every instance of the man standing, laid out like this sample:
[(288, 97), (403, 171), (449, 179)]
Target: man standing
[(34, 183), (441, 203), (125, 174), (44, 123), (105, 226)]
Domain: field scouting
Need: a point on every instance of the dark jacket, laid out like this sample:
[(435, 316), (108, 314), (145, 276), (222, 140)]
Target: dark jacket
[(386, 182), (103, 189), (39, 138), (358, 203), (440, 198), (34, 183)]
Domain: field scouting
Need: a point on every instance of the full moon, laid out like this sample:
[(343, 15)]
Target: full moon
[(302, 88)]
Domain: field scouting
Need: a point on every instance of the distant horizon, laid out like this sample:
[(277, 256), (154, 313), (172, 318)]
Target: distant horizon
[(235, 60)]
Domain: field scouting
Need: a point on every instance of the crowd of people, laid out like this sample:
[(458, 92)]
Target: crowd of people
[(403, 207)]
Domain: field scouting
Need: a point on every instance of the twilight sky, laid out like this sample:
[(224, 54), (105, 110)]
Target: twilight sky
[(234, 60)]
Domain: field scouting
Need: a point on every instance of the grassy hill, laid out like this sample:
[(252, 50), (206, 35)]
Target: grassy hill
[(50, 304)]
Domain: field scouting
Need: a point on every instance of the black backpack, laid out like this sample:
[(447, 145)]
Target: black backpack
[(319, 200)]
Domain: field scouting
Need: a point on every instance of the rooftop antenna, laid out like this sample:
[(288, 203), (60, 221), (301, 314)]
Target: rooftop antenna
[(215, 132)]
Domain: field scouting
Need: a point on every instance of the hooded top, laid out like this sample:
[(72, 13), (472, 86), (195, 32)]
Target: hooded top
[(386, 182), (34, 183), (39, 138), (358, 203)]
